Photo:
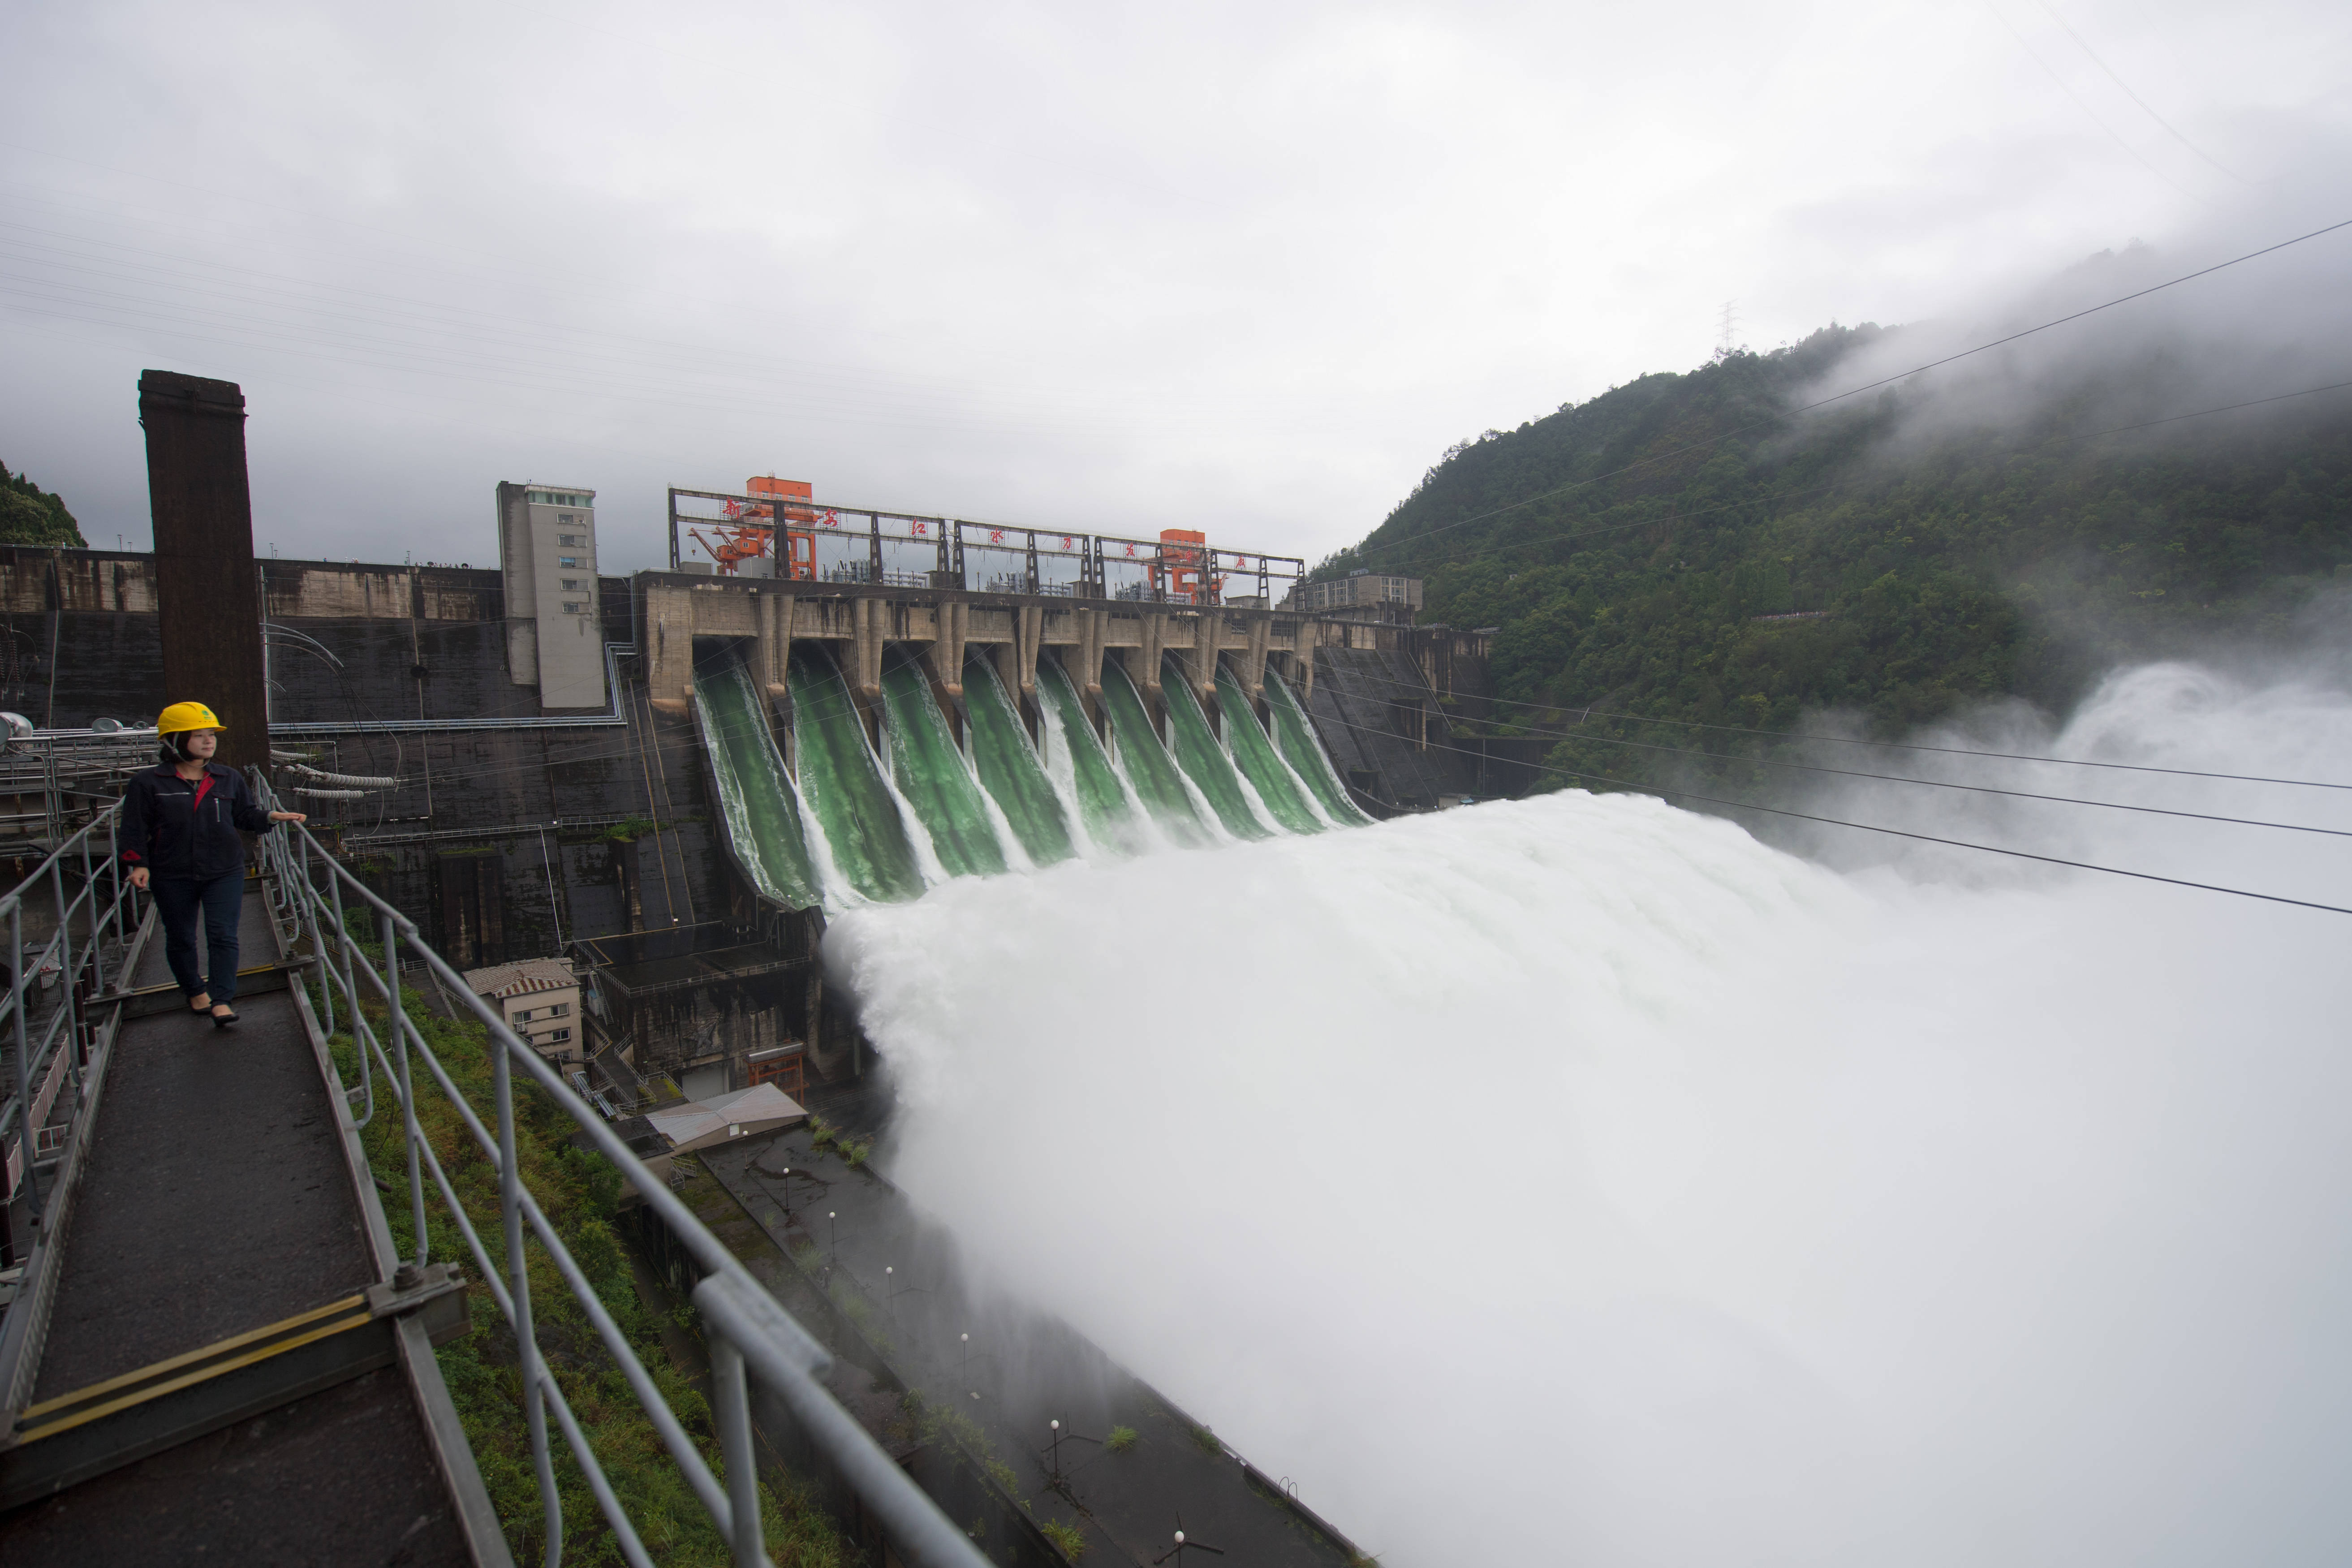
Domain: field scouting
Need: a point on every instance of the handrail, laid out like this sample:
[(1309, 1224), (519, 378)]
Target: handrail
[(37, 1059), (749, 1331)]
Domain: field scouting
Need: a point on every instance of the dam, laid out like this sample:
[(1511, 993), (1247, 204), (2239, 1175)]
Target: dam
[(608, 824), (865, 746)]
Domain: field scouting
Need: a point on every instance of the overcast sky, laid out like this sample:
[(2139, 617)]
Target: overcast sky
[(1248, 267)]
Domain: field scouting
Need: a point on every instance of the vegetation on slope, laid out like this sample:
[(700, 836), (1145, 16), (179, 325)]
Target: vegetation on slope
[(1923, 567), (579, 1193), (31, 515)]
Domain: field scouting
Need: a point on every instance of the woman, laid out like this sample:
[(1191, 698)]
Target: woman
[(181, 825)]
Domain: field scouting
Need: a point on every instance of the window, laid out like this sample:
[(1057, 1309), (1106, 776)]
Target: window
[(571, 585), (575, 607), (559, 1009), (567, 540), (571, 561), (523, 1016), (560, 1035)]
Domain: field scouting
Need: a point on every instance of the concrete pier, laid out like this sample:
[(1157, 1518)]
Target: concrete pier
[(677, 607)]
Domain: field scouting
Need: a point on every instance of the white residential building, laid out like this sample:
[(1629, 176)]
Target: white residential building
[(540, 1000)]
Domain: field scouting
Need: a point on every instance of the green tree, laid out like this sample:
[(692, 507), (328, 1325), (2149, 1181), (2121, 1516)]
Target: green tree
[(30, 515)]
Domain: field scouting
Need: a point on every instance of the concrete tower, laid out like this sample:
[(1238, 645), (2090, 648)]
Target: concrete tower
[(547, 549)]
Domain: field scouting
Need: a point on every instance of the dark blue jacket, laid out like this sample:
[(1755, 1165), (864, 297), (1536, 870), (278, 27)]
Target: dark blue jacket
[(176, 828)]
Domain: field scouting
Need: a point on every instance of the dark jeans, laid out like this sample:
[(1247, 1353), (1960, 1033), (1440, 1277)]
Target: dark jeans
[(222, 901)]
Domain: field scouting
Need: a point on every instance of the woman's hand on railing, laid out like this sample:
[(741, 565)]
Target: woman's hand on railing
[(139, 878)]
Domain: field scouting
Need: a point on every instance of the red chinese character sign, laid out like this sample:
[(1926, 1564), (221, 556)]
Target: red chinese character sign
[(996, 536), (831, 519), (1130, 550), (922, 529)]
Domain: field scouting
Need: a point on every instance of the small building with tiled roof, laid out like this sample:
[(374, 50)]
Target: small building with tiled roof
[(539, 999)]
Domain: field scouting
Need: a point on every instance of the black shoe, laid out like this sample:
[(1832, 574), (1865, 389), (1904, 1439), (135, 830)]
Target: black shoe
[(222, 1020)]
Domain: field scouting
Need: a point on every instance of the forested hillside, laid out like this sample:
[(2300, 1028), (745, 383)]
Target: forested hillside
[(30, 515), (1921, 563)]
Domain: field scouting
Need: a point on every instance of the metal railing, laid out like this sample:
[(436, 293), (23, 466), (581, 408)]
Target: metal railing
[(748, 1331), (72, 962), (868, 544)]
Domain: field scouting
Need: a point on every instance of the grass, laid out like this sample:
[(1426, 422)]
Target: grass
[(1122, 1438), (1206, 1441), (922, 1420), (823, 1134), (1067, 1539), (578, 1192)]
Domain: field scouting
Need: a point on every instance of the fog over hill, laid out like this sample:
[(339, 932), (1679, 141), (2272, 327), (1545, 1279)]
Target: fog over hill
[(2171, 474)]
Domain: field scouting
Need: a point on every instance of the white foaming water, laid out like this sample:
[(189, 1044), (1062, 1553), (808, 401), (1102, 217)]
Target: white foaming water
[(1581, 1181)]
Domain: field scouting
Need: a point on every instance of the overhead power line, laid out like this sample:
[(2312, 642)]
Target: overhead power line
[(2083, 45), (1906, 833), (1583, 713), (1929, 783), (1887, 380)]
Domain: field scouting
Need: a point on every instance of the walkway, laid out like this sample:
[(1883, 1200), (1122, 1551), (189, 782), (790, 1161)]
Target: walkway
[(216, 1203)]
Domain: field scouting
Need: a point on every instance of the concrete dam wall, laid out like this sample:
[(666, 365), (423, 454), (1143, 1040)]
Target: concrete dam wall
[(966, 720)]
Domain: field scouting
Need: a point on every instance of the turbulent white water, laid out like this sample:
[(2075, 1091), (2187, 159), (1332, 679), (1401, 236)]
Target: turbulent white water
[(1581, 1181)]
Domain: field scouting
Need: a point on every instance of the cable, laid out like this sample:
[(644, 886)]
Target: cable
[(1943, 783), (2117, 136), (1901, 746), (1905, 832), (1887, 381), (2152, 114), (1898, 745)]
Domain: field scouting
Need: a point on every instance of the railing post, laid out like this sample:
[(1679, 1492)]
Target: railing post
[(97, 942), (407, 1092), (114, 867), (518, 1293), (732, 1395), (26, 1131), (306, 895)]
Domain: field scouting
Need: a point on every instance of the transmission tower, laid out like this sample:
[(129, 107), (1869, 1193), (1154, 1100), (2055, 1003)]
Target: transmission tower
[(1727, 324)]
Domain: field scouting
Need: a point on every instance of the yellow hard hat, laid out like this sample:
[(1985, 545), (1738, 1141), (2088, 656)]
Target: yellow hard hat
[(187, 716)]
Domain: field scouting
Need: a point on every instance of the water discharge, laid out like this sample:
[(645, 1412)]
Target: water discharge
[(843, 786), (1280, 790), (763, 817), (1009, 767), (1146, 763), (1202, 758), (933, 775), (1580, 1179), (1110, 816), (1297, 741)]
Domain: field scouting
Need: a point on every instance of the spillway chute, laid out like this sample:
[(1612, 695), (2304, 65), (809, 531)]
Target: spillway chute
[(1145, 764), (931, 776), (1101, 804), (1198, 753), (764, 829), (841, 778), (1294, 736), (1279, 792), (1009, 766)]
